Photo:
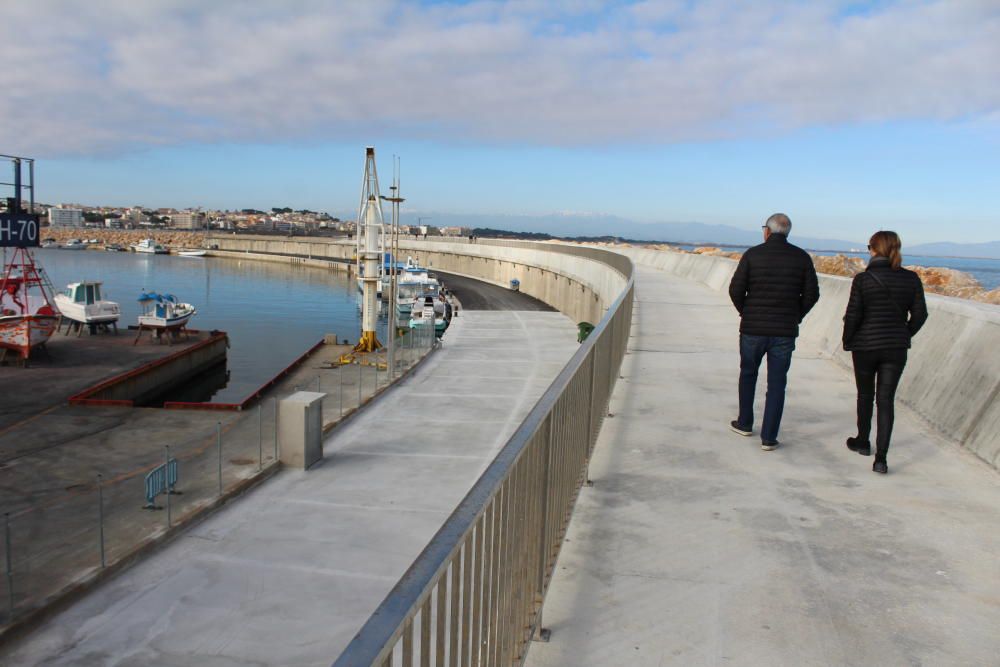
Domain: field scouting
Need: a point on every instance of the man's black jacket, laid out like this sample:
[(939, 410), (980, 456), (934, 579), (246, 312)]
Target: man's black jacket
[(881, 318), (773, 288)]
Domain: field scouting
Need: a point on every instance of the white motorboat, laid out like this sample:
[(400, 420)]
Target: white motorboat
[(149, 246), (74, 244), (191, 252), (428, 312), (82, 302), (164, 311), (49, 243), (414, 283)]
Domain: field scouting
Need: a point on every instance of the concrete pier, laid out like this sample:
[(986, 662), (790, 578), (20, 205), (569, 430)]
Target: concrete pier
[(694, 547), (287, 575)]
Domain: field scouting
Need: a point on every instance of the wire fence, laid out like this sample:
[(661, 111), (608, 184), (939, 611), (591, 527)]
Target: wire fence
[(66, 537)]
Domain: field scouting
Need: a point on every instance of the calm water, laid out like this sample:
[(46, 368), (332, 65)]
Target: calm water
[(272, 312), (986, 271)]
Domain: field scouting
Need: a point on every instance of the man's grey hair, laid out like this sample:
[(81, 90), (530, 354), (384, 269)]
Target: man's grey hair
[(779, 223)]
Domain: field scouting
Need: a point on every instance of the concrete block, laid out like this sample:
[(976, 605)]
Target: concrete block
[(300, 429), (330, 339)]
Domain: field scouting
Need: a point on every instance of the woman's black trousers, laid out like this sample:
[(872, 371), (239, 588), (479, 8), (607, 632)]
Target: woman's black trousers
[(877, 374)]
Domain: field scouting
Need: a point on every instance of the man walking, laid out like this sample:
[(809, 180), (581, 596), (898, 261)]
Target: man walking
[(773, 288)]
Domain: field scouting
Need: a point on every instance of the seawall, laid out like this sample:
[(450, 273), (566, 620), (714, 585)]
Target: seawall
[(952, 377)]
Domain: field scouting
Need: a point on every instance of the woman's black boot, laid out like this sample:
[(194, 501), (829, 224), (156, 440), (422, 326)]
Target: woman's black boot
[(880, 466), (863, 447)]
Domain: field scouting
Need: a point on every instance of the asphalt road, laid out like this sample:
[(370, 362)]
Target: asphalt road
[(477, 295)]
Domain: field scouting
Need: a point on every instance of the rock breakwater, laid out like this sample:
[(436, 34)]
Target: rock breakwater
[(936, 279), (171, 238)]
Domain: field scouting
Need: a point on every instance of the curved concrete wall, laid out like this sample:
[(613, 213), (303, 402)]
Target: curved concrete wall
[(952, 377), (562, 276)]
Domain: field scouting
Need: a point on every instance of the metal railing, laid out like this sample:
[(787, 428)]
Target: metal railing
[(474, 595)]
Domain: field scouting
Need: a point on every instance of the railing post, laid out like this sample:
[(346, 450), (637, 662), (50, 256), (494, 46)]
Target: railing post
[(218, 439), (544, 634), (590, 413), (166, 481), (340, 392), (10, 566), (276, 429), (360, 381), (260, 436), (100, 515)]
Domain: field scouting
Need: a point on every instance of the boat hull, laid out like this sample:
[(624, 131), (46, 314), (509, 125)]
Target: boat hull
[(23, 333), (99, 313)]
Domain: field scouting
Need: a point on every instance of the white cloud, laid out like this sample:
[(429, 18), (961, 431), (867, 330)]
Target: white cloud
[(82, 79)]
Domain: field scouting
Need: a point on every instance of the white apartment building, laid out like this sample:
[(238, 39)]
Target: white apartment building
[(65, 217)]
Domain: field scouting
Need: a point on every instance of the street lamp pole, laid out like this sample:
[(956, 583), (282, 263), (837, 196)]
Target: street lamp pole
[(396, 200)]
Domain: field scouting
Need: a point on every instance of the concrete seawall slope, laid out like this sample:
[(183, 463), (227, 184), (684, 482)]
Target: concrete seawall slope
[(564, 277), (952, 378)]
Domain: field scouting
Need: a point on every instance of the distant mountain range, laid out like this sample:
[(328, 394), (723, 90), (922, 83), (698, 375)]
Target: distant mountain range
[(577, 225)]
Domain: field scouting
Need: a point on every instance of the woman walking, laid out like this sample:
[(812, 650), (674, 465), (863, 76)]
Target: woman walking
[(885, 311)]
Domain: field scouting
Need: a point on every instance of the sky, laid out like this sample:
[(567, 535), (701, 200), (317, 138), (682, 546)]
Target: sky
[(848, 116)]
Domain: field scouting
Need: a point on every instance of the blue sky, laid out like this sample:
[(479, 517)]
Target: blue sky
[(849, 116)]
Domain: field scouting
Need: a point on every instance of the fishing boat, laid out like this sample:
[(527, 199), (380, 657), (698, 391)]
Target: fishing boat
[(49, 243), (150, 247), (191, 252), (74, 244), (114, 247), (164, 312), (28, 317), (82, 303)]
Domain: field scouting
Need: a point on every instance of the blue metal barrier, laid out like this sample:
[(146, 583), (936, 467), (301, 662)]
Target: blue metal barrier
[(161, 479)]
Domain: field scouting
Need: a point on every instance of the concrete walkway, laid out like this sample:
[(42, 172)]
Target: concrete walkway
[(288, 574), (695, 547)]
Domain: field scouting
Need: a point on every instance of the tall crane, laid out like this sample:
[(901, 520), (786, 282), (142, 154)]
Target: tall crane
[(370, 249)]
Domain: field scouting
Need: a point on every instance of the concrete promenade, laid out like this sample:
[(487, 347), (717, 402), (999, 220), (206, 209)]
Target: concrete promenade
[(288, 574), (694, 547)]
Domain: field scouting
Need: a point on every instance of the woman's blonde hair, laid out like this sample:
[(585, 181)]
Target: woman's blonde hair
[(887, 244)]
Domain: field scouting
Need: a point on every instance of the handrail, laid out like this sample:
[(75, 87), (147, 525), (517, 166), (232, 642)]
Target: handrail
[(480, 582)]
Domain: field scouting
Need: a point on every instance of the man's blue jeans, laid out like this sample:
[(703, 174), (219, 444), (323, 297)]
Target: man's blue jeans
[(779, 358)]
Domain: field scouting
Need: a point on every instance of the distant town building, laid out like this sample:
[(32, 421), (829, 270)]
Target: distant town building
[(65, 217), (188, 220)]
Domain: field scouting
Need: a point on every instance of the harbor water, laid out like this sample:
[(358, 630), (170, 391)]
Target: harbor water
[(272, 312)]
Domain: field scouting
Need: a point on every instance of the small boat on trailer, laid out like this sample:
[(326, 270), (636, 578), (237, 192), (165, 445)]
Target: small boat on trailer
[(28, 317), (163, 313), (81, 304)]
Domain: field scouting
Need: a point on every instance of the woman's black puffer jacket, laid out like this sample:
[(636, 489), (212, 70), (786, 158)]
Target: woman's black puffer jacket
[(880, 318)]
